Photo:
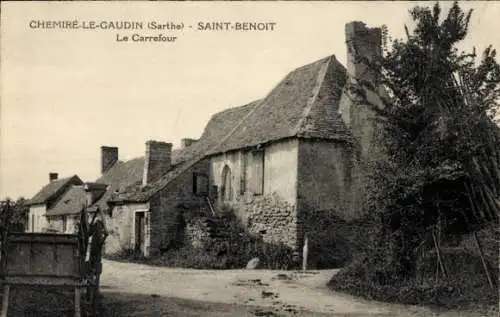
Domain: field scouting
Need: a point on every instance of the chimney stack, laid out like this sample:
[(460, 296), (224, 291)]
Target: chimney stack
[(157, 161), (109, 156), (53, 177), (364, 46), (363, 43), (187, 142)]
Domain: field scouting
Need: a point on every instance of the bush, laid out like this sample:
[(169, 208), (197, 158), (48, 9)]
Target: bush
[(231, 251), (125, 255), (333, 241), (373, 276), (217, 255)]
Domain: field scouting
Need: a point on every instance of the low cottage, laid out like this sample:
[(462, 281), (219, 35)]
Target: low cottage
[(56, 207)]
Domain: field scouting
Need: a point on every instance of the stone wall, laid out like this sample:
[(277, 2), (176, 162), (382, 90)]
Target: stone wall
[(272, 214), (196, 233), (165, 215), (121, 227), (269, 216), (173, 206)]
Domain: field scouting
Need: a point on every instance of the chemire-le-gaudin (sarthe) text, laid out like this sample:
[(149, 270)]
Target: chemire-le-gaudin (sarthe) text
[(127, 31)]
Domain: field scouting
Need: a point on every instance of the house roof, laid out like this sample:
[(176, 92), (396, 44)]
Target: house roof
[(118, 177), (71, 202), (123, 177), (219, 125), (304, 104), (138, 193), (54, 189)]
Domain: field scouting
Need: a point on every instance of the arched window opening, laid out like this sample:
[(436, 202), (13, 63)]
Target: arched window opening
[(226, 185)]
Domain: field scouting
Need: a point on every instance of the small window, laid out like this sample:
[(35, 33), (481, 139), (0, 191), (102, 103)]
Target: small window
[(200, 184), (244, 173)]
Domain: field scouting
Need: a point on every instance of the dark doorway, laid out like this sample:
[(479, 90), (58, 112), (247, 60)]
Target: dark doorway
[(140, 236)]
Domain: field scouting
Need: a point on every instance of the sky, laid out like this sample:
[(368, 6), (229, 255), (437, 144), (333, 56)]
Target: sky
[(66, 92)]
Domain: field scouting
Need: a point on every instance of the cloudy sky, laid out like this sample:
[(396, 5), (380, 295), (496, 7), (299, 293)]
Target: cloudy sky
[(67, 92)]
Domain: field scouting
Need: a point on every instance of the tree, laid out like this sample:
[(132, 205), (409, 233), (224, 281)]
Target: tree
[(442, 164), (13, 215)]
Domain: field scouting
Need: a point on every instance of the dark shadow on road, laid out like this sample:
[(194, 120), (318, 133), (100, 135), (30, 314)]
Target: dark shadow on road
[(114, 304)]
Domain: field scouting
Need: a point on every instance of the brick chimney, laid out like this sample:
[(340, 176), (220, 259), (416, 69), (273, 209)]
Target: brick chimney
[(187, 142), (53, 177), (157, 161), (109, 156), (363, 43)]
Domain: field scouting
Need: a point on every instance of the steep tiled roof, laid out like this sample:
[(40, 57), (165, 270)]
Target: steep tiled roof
[(123, 176), (136, 193), (118, 177), (71, 202), (304, 104), (54, 189), (220, 125)]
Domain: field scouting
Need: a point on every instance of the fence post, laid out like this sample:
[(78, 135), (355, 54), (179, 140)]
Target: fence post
[(304, 254)]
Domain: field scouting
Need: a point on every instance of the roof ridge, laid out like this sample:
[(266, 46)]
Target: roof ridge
[(312, 100), (259, 103), (183, 167)]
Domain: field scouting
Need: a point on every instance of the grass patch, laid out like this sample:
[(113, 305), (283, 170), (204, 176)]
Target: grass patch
[(216, 255)]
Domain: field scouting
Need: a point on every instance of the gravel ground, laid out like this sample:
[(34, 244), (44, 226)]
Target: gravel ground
[(239, 293), (130, 289)]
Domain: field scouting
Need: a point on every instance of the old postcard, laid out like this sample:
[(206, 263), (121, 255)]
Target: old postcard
[(249, 158)]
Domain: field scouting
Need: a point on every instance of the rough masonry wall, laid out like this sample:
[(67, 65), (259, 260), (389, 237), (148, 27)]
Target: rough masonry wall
[(121, 226), (173, 207), (271, 217), (273, 214), (196, 233)]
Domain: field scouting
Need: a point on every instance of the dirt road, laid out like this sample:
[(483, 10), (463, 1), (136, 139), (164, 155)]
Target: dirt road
[(141, 290)]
